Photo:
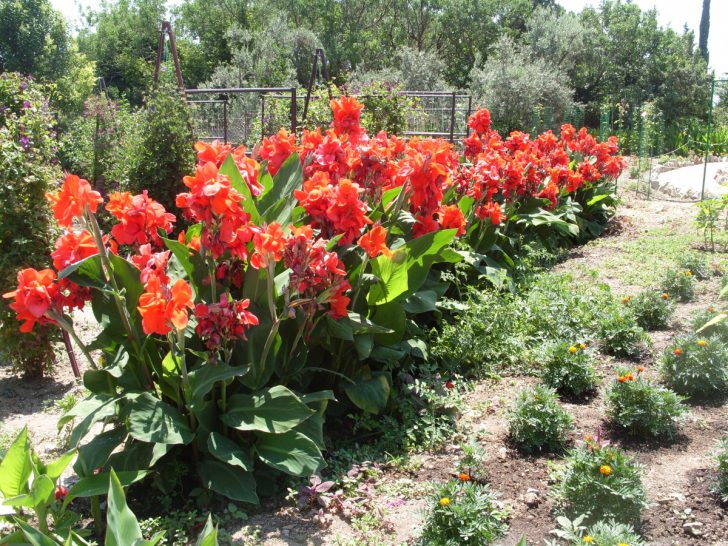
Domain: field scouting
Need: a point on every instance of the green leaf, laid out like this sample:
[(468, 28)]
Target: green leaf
[(55, 469), (720, 317), (393, 317), (423, 301), (95, 453), (276, 204), (204, 378), (291, 452), (33, 536), (227, 451), (370, 394), (87, 272), (98, 484), (182, 254), (151, 420), (208, 536), (127, 277), (362, 325), (15, 468), (230, 169), (137, 456), (41, 493), (231, 481), (407, 269), (340, 329), (122, 527), (91, 410), (273, 410)]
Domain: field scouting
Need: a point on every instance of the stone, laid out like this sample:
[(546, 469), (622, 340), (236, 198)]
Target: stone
[(693, 528), (531, 499), (502, 453)]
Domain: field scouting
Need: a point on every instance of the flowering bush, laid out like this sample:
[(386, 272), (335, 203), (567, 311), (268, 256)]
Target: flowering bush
[(231, 336), (464, 512), (537, 422), (642, 408), (696, 367), (721, 458), (600, 481), (568, 368), (651, 309), (619, 334), (679, 284), (711, 324), (27, 156)]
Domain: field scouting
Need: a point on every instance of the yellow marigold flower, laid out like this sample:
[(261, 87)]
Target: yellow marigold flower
[(622, 544), (665, 296), (582, 345), (626, 299), (702, 342), (588, 539), (573, 349), (688, 273), (605, 469), (711, 309), (444, 501)]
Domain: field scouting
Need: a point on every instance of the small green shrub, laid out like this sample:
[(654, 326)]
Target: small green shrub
[(639, 407), (600, 481), (696, 264), (717, 331), (722, 460), (164, 152), (464, 514), (651, 309), (601, 533), (680, 284), (619, 334), (537, 422), (568, 369), (696, 367)]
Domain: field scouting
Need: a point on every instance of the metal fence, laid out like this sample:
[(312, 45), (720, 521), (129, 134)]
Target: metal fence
[(245, 115)]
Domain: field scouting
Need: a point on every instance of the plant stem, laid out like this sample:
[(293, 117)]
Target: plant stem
[(66, 326), (96, 513)]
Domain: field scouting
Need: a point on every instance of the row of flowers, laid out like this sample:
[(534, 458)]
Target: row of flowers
[(299, 271)]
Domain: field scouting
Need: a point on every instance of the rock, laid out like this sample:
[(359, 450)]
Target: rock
[(502, 453), (693, 528), (531, 499)]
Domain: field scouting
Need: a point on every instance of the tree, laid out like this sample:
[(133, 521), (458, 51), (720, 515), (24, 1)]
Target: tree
[(33, 39), (704, 30)]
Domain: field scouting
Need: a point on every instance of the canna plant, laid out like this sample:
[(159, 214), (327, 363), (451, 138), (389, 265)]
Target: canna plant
[(296, 281)]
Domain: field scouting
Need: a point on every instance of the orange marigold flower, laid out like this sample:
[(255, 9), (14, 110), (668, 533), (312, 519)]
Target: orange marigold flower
[(626, 299), (71, 200), (374, 242), (582, 345), (464, 477), (34, 296), (702, 342), (72, 247), (640, 369), (665, 296), (688, 273), (711, 309), (678, 351), (269, 246), (452, 217), (605, 469)]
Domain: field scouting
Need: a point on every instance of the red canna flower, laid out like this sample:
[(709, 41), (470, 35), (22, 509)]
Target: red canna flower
[(225, 321), (72, 247), (152, 264), (34, 297), (347, 112), (70, 202), (374, 242), (140, 217), (492, 211), (162, 308), (269, 245), (452, 217), (277, 149), (480, 121), (60, 492)]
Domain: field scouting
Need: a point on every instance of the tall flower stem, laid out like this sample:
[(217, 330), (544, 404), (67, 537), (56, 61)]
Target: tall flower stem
[(67, 327)]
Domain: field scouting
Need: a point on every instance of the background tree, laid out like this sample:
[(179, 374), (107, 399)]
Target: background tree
[(704, 30)]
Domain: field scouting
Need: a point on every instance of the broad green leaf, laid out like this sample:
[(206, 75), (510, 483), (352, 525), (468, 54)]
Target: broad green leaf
[(720, 317), (98, 484), (291, 452), (55, 469), (370, 394), (276, 205), (87, 272), (95, 453), (41, 493), (362, 325), (313, 429), (227, 451), (405, 271), (273, 410), (231, 481), (127, 276), (340, 329), (230, 169), (153, 421), (204, 378), (91, 410), (208, 536), (182, 254), (137, 456), (122, 527), (393, 317), (34, 536), (15, 468), (423, 301)]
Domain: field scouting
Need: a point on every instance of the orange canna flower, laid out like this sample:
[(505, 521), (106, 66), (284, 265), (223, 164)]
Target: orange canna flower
[(452, 217), (269, 245), (73, 197), (374, 242), (159, 313)]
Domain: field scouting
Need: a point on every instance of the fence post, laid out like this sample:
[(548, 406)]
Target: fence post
[(452, 119), (262, 116), (294, 113), (225, 120), (708, 138), (470, 108)]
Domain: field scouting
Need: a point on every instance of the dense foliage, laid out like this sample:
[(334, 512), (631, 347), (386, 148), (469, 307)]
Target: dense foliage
[(27, 157), (536, 421)]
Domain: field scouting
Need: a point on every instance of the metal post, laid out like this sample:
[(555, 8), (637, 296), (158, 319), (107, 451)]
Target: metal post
[(262, 116), (311, 81), (452, 119), (709, 136), (470, 109), (225, 120), (294, 112)]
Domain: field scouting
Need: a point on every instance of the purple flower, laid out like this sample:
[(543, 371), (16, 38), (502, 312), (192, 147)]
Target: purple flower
[(23, 86), (26, 104), (25, 143)]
